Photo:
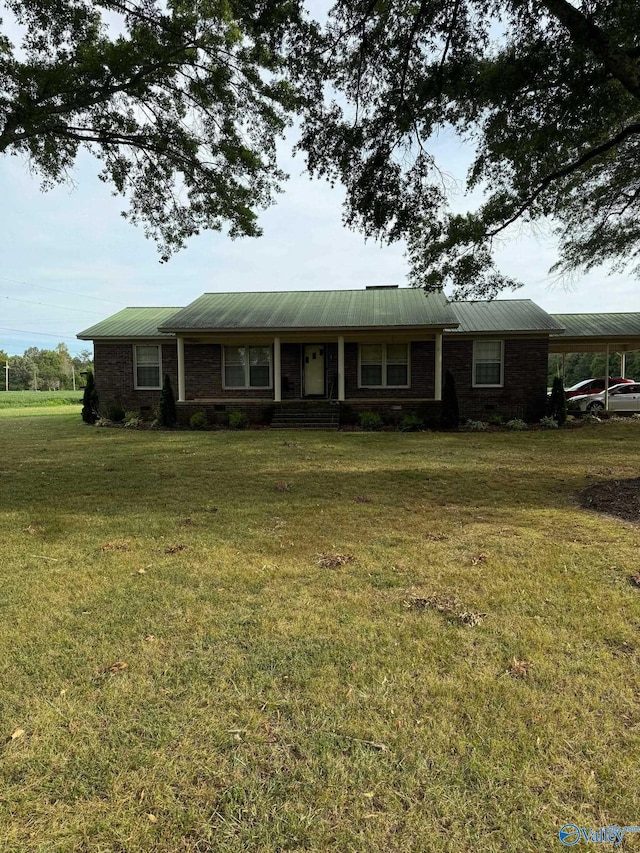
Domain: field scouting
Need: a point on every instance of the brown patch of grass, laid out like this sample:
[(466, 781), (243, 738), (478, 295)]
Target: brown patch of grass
[(333, 561), (116, 545), (519, 668), (447, 604)]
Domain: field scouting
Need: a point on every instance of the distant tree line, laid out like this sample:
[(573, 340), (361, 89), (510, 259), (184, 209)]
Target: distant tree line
[(45, 369), (590, 365)]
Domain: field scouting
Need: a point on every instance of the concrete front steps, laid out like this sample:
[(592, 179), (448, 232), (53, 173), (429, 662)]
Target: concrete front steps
[(306, 416)]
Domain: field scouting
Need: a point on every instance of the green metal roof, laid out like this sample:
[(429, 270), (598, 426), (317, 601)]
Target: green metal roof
[(130, 323), (319, 309), (599, 325), (503, 316)]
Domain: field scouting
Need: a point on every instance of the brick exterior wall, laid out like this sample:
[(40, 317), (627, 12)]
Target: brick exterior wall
[(422, 364), (203, 376), (113, 370), (524, 394)]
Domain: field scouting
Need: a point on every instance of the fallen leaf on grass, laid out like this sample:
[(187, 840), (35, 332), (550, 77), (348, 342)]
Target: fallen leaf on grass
[(142, 571), (442, 603), (447, 604), (17, 734), (116, 545), (332, 561), (470, 618), (519, 668), (149, 638), (152, 818), (118, 666), (479, 558), (174, 549)]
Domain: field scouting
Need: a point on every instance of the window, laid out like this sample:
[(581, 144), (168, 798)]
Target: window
[(384, 366), (488, 364), (247, 367), (147, 367)]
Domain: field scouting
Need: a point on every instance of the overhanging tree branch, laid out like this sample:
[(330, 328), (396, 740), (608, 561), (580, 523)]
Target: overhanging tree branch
[(588, 35), (564, 172)]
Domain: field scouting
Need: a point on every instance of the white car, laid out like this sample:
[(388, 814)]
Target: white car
[(622, 398)]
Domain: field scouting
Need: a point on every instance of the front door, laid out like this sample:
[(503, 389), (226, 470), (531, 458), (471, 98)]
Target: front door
[(313, 369)]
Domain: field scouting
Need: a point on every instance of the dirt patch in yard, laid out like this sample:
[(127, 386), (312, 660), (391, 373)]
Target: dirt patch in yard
[(620, 498)]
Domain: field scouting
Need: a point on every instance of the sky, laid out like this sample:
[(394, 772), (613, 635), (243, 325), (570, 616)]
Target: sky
[(68, 259)]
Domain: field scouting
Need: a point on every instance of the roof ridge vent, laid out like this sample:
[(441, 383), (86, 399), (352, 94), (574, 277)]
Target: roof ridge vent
[(382, 287)]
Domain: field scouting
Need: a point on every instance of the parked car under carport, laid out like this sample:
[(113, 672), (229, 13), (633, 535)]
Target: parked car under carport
[(623, 399)]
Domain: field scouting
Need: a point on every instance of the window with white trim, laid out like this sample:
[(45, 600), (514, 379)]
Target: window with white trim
[(247, 367), (384, 366), (147, 367), (488, 364)]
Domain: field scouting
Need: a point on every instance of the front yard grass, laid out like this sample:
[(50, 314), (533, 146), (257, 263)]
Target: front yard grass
[(271, 703)]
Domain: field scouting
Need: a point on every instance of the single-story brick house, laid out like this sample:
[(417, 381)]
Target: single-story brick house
[(381, 348)]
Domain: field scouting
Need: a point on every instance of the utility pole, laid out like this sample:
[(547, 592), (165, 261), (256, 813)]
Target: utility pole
[(6, 376), (73, 374), (35, 378)]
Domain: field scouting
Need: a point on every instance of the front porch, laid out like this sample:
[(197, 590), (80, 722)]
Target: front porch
[(367, 368)]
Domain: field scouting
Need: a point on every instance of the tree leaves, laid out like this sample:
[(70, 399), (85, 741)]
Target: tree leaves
[(182, 104), (547, 97)]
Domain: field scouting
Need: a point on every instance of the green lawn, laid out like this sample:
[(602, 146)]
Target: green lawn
[(269, 703), (39, 399)]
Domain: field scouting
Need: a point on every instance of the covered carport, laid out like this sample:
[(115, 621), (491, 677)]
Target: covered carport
[(602, 333)]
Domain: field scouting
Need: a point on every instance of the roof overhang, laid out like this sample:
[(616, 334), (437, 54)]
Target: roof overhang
[(561, 344), (156, 339), (306, 330)]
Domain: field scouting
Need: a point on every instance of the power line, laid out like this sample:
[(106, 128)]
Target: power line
[(44, 334), (48, 305), (57, 290)]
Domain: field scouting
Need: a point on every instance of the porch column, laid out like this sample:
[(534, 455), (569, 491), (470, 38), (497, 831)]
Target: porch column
[(341, 396), (277, 371), (181, 379), (437, 393), (606, 381), (623, 365)]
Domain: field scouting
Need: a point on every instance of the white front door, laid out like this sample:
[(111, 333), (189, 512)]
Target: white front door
[(313, 370)]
